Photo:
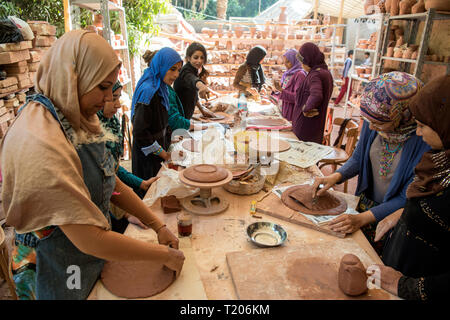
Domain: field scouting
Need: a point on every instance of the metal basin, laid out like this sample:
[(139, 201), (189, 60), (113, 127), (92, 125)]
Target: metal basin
[(266, 234)]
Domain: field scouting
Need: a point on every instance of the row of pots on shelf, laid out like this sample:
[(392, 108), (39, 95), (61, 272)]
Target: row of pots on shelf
[(396, 7)]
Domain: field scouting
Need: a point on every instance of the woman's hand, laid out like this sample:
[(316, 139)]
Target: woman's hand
[(175, 260), (136, 221), (277, 85), (207, 113), (385, 277), (328, 182), (387, 224), (147, 183), (349, 223), (167, 238), (176, 155), (312, 113), (203, 91)]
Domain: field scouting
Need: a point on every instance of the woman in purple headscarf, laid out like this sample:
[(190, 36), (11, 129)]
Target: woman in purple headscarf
[(313, 95), (290, 82)]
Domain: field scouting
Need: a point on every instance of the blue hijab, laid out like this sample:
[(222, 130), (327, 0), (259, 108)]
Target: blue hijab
[(152, 79)]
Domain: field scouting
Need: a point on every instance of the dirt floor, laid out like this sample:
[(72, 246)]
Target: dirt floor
[(338, 112)]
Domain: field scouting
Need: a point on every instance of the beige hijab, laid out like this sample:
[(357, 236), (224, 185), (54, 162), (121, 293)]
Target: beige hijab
[(43, 181), (76, 64)]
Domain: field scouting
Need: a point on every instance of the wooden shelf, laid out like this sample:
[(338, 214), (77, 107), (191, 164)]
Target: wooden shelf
[(437, 63), (248, 24), (356, 77), (16, 91), (267, 39), (365, 50), (399, 59), (440, 15)]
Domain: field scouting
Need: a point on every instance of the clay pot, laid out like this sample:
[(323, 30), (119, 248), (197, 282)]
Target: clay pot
[(387, 5), (205, 173), (258, 35), (265, 34), (399, 32), (274, 34), (283, 15), (395, 7), (239, 32), (398, 53), (98, 21), (407, 54), (368, 70), (434, 57), (360, 71), (230, 33), (299, 36), (414, 55), (252, 32), (406, 5), (441, 5), (352, 277), (399, 42), (369, 7), (390, 52), (418, 7)]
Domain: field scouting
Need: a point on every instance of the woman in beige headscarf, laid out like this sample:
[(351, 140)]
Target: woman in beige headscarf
[(58, 178)]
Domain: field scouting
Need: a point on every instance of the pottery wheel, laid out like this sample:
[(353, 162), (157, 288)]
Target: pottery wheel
[(269, 145), (205, 203), (205, 173), (190, 145), (299, 198), (136, 279)]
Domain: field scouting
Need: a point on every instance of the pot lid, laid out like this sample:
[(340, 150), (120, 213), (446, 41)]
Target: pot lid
[(205, 173)]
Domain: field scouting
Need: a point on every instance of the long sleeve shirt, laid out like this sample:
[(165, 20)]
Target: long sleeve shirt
[(347, 66), (177, 120)]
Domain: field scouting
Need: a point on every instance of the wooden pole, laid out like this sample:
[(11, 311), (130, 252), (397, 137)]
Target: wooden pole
[(341, 12), (316, 8), (66, 16)]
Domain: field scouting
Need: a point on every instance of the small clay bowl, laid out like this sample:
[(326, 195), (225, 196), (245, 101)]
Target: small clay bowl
[(205, 173), (266, 234)]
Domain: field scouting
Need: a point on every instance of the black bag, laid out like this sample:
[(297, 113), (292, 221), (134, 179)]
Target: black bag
[(9, 32)]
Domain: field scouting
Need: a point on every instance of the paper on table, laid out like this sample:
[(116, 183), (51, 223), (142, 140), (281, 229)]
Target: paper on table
[(318, 220), (304, 154)]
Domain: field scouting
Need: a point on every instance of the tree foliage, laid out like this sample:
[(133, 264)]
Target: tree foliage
[(139, 14)]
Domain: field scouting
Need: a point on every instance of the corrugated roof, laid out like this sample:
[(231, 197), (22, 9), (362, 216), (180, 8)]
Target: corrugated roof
[(299, 9)]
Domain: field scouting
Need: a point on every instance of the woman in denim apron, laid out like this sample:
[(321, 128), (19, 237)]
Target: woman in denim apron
[(59, 178)]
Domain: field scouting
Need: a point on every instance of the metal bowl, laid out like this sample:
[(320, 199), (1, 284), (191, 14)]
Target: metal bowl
[(266, 234)]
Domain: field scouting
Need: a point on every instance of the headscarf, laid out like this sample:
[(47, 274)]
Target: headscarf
[(78, 62), (113, 125), (296, 65), (152, 79), (254, 57), (431, 106), (387, 98), (311, 55)]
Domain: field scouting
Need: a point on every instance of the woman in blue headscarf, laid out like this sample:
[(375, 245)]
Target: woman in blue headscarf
[(149, 114)]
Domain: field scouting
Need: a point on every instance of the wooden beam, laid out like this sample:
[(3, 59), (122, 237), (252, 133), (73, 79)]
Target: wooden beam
[(66, 16), (316, 8), (341, 12)]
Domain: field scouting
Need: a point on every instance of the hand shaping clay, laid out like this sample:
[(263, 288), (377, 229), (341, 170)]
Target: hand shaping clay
[(352, 277), (299, 198), (170, 204), (136, 279)]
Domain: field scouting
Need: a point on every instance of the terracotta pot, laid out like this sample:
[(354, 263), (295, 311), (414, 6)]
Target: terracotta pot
[(298, 36), (274, 34), (390, 52), (364, 46), (399, 42), (283, 15), (259, 35), (220, 31), (352, 277), (398, 53), (369, 6), (252, 32), (442, 5), (406, 5), (407, 54), (387, 4), (395, 7), (230, 33), (414, 55), (434, 57), (291, 36), (399, 32), (418, 7), (368, 70), (264, 34), (360, 71), (381, 5), (98, 21), (239, 32)]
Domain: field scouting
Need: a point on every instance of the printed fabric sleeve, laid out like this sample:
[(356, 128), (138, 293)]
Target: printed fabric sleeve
[(128, 178), (435, 287), (176, 113)]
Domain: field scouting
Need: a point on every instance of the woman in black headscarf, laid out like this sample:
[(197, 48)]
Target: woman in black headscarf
[(250, 74)]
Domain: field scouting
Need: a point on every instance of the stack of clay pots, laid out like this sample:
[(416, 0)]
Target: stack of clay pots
[(411, 52)]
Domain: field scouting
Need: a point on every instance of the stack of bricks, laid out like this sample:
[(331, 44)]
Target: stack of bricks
[(20, 61)]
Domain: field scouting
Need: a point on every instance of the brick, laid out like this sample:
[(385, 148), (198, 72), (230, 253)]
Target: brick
[(32, 76), (2, 103), (3, 110), (8, 116), (14, 56), (22, 97), (21, 76), (22, 45), (32, 67), (43, 41), (3, 129), (10, 89), (11, 103), (25, 83), (35, 56), (43, 29), (9, 81)]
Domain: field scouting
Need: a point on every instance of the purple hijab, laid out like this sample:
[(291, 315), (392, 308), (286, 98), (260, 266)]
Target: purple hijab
[(291, 55), (311, 55)]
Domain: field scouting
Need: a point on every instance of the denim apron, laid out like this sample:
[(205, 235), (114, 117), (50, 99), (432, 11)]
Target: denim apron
[(57, 259)]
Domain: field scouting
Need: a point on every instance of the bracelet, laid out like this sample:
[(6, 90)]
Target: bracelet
[(157, 153), (157, 230)]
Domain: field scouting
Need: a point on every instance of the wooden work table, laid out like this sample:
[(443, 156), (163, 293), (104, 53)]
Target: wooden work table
[(215, 236)]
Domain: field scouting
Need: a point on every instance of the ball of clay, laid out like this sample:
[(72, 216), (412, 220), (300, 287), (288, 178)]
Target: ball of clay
[(352, 277)]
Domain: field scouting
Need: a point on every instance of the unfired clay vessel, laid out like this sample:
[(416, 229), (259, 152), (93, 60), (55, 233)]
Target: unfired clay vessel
[(418, 7), (395, 7), (387, 4), (406, 5), (352, 278), (390, 52)]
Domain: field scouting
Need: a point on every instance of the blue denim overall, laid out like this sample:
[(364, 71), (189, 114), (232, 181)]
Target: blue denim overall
[(56, 253)]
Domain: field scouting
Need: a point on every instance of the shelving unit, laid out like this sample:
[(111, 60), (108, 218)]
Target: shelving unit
[(105, 7), (411, 31), (380, 19)]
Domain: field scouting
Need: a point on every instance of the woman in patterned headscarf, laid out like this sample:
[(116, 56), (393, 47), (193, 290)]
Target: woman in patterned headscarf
[(416, 253), (385, 156)]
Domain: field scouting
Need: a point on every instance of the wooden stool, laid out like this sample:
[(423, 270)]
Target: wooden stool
[(5, 272)]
